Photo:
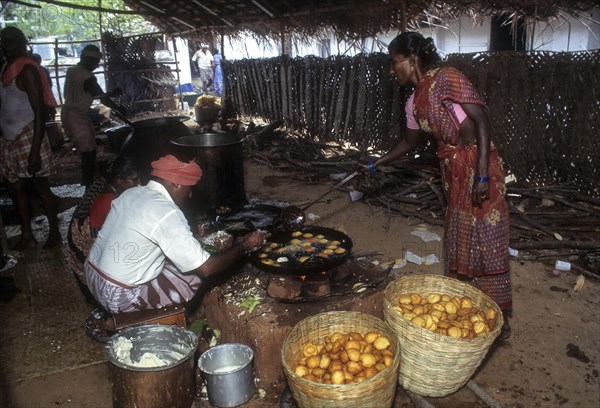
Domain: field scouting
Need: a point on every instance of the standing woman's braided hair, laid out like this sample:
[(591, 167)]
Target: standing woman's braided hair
[(413, 43)]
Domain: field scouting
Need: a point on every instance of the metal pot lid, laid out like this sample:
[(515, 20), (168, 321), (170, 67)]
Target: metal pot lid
[(298, 261), (201, 140), (117, 129), (249, 218)]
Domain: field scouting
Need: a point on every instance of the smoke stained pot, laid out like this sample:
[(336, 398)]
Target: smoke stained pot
[(150, 139), (220, 155)]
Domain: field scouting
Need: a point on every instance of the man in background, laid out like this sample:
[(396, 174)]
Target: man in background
[(204, 59), (25, 152), (81, 88)]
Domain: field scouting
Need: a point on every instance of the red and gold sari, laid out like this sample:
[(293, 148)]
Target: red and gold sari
[(475, 239)]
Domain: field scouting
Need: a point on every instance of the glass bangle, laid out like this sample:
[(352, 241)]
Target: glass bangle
[(371, 167)]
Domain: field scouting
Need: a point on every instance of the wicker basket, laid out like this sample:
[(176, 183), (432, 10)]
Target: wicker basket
[(436, 365), (378, 391)]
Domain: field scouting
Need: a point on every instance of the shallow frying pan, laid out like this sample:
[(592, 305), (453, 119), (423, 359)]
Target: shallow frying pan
[(314, 264)]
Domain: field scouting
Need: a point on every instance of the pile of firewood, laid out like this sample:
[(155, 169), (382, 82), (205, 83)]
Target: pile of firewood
[(546, 221)]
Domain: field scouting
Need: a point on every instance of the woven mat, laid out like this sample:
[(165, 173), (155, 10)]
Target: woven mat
[(42, 326)]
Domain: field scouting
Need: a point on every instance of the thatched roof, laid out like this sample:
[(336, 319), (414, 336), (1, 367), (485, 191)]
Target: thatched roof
[(347, 18)]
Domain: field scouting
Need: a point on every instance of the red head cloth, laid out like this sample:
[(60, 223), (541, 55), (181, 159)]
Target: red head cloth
[(170, 169)]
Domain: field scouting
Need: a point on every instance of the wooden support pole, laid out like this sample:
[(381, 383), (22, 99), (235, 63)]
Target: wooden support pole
[(282, 41), (223, 77), (102, 49), (533, 26), (100, 17), (403, 19), (177, 72), (58, 91), (222, 45)]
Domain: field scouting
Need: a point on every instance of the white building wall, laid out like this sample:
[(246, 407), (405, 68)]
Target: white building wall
[(594, 38), (568, 33), (183, 57), (564, 33), (465, 37), (460, 36), (248, 47)]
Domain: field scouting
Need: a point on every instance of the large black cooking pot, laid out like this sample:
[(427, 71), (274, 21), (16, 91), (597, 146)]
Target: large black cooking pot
[(314, 264), (117, 135), (150, 138), (220, 156)]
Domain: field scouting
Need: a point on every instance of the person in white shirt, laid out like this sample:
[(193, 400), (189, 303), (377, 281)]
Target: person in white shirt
[(81, 88), (145, 255), (204, 59)]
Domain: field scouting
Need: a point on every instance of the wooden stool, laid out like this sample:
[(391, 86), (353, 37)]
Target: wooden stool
[(171, 315), (97, 329)]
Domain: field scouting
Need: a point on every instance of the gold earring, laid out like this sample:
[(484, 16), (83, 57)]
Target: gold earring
[(412, 68)]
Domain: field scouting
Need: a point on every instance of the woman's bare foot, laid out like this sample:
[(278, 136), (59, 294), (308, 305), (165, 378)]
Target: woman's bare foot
[(505, 331)]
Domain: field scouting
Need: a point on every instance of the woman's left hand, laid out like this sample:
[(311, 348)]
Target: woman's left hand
[(481, 193), (368, 167)]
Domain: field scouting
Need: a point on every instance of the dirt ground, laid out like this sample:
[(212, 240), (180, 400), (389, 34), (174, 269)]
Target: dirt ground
[(551, 360)]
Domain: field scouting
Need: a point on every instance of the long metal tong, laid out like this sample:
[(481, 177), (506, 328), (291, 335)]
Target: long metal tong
[(338, 185)]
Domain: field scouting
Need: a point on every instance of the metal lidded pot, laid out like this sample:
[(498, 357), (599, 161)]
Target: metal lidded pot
[(220, 155), (55, 134), (148, 139)]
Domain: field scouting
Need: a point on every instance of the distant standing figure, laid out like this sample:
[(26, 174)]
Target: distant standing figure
[(81, 88), (25, 154), (218, 82), (204, 59)]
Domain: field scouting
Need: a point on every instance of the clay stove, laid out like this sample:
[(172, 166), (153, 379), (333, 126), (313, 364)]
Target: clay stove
[(312, 287), (284, 300)]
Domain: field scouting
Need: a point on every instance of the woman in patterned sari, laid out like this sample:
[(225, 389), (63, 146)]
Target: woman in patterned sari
[(446, 105), (117, 175)]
